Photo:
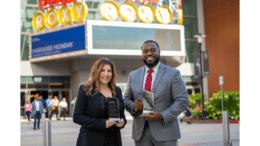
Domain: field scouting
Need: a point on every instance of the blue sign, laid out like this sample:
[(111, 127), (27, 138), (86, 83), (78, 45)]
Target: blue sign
[(58, 42)]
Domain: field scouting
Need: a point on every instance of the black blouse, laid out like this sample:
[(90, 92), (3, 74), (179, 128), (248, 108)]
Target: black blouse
[(111, 133)]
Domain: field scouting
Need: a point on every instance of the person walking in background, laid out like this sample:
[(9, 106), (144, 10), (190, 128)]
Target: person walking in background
[(187, 114), (73, 103), (63, 107), (28, 110), (37, 110), (170, 99), (48, 106), (55, 106), (91, 111), (43, 101)]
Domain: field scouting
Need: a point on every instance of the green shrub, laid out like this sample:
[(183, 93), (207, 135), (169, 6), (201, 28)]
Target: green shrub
[(231, 104), (194, 99), (196, 113), (213, 108)]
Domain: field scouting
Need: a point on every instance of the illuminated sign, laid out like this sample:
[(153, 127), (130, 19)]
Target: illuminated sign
[(108, 10), (44, 4), (78, 13), (57, 43), (128, 12)]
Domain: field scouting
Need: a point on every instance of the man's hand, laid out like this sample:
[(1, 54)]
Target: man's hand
[(153, 116), (138, 105)]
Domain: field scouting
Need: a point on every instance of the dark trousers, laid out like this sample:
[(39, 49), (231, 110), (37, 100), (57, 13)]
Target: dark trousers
[(37, 116), (48, 112), (56, 111), (28, 115), (63, 113)]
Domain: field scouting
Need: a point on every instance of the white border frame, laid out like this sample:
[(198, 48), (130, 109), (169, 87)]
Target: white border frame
[(90, 23)]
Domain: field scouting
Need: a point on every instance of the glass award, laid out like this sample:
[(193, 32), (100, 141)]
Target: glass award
[(148, 100), (113, 109)]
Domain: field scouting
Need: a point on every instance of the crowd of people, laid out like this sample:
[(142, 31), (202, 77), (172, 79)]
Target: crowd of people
[(48, 106)]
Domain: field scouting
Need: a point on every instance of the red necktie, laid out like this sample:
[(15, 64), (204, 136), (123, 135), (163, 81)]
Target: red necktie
[(148, 83)]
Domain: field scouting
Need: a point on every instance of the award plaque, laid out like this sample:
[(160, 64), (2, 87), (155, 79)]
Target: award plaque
[(148, 100), (113, 109)]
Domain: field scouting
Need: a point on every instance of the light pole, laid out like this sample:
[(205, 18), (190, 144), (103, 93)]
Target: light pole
[(200, 37)]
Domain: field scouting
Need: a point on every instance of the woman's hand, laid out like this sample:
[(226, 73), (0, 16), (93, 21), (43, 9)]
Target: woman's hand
[(109, 123), (120, 123)]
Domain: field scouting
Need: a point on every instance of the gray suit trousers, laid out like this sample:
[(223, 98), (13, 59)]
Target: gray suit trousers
[(147, 139)]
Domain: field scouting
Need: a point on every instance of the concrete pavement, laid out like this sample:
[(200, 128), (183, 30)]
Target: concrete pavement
[(65, 133)]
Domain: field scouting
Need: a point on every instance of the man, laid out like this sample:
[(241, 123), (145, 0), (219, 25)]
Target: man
[(37, 110), (48, 106), (170, 99), (63, 107), (55, 107)]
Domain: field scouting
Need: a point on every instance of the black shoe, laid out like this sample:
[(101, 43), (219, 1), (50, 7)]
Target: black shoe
[(58, 119), (38, 128), (34, 128), (181, 120), (188, 122)]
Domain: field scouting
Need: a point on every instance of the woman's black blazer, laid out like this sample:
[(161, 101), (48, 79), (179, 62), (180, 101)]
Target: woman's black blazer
[(87, 113)]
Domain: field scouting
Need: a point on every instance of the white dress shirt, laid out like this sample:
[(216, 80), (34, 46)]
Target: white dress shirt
[(155, 70), (37, 104)]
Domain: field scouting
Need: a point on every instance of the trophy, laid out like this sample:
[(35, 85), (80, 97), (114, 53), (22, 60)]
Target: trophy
[(113, 109), (148, 100)]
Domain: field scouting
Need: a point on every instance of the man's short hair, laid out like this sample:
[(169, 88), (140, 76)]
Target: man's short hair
[(152, 42)]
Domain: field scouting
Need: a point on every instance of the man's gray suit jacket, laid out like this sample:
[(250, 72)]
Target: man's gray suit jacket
[(170, 99), (34, 107)]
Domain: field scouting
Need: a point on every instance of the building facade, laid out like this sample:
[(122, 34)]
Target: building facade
[(62, 76)]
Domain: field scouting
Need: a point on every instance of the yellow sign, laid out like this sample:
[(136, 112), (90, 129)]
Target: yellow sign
[(163, 14), (80, 11), (128, 12), (38, 21), (146, 13), (51, 19), (64, 15), (109, 10)]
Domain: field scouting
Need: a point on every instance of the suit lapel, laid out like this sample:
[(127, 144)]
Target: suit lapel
[(142, 80), (158, 77)]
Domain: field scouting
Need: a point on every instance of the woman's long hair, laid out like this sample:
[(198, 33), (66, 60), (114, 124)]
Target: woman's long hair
[(94, 82)]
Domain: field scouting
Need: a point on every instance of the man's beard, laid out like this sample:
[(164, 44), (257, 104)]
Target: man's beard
[(153, 64)]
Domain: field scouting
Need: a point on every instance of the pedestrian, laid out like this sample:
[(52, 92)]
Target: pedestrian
[(43, 101), (170, 99), (55, 106), (63, 107), (48, 106), (187, 115), (37, 110), (28, 110), (91, 111), (22, 102), (73, 103)]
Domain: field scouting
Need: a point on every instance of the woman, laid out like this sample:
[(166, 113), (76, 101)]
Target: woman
[(28, 110), (91, 111)]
